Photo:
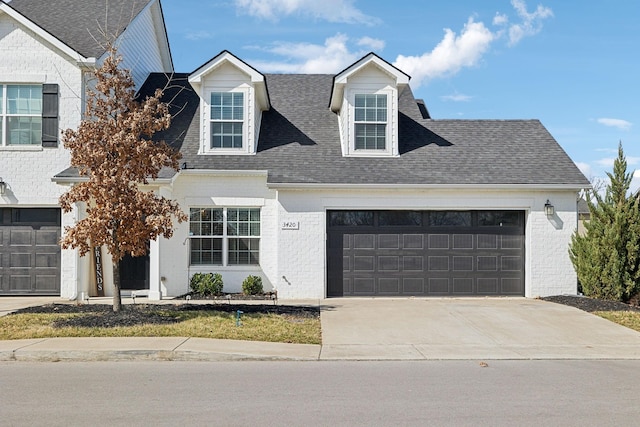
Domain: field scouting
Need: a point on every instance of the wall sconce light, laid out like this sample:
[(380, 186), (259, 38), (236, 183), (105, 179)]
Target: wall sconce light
[(3, 187), (549, 210)]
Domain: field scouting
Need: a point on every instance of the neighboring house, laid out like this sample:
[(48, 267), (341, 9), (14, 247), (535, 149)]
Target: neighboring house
[(47, 51), (342, 185)]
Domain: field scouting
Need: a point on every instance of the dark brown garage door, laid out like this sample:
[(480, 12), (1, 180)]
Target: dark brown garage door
[(429, 253), (29, 251)]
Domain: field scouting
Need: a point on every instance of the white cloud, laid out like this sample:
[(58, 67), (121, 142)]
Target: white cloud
[(371, 43), (310, 58), (450, 55), (199, 35), (500, 19), (453, 53), (616, 123), (635, 182), (585, 168), (330, 10), (608, 161), (531, 22), (456, 97)]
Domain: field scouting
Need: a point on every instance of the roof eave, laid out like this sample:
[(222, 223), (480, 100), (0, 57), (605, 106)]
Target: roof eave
[(346, 186)]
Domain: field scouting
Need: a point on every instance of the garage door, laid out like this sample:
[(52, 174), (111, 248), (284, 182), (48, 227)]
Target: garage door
[(425, 253), (29, 251)]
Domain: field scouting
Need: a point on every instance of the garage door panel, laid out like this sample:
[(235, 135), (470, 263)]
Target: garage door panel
[(511, 263), (413, 286), (389, 286), (487, 241), (438, 241), (439, 286), (510, 286), (47, 237), (459, 258), (20, 260), (488, 285), (389, 241), (364, 241), (438, 263), (29, 251), (462, 241), (463, 286), (462, 263), (364, 286), (20, 238), (413, 241), (47, 282), (413, 263)]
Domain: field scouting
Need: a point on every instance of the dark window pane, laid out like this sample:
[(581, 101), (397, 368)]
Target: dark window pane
[(41, 215), (499, 218), (351, 218), (387, 218), (450, 219)]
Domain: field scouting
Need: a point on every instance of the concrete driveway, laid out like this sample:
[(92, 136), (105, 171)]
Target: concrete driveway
[(469, 328)]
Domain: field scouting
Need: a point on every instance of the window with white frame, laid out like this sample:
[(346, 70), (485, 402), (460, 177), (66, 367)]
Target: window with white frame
[(224, 236), (20, 114), (227, 120), (370, 121)]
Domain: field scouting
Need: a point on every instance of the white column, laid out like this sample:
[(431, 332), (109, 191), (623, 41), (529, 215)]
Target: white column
[(155, 287)]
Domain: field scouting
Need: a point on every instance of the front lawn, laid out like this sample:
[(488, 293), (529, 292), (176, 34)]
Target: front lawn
[(630, 319), (300, 325)]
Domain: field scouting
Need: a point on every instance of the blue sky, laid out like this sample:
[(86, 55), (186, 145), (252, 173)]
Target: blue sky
[(574, 66)]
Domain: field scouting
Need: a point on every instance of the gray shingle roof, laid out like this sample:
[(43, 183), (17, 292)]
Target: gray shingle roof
[(77, 23), (299, 143)]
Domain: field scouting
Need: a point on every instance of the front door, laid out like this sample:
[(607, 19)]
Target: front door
[(134, 272)]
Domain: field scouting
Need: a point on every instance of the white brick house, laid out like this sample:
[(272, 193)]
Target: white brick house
[(323, 185), (342, 185), (47, 50)]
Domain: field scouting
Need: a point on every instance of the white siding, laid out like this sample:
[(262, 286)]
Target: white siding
[(140, 47)]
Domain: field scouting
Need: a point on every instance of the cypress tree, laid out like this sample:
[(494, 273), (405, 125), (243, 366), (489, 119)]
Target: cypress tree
[(606, 257)]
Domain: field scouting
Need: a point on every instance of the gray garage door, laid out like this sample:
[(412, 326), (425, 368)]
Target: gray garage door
[(29, 251), (429, 253)]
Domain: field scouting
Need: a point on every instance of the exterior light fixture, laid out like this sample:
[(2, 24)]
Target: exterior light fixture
[(3, 187), (549, 210)]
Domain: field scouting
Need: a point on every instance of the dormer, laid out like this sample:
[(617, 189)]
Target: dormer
[(365, 98), (233, 96)]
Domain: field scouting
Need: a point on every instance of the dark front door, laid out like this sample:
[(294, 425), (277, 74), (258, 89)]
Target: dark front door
[(425, 253), (134, 272), (29, 251)]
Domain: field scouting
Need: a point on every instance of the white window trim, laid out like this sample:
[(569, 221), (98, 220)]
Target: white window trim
[(389, 137), (4, 115), (205, 147), (225, 238)]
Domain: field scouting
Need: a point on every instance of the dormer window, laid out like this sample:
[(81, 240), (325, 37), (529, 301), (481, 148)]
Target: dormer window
[(365, 99), (227, 120), (233, 96), (370, 121)]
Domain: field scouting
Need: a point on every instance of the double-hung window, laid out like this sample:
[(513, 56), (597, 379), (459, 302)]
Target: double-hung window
[(20, 114), (224, 236), (227, 120), (370, 121)]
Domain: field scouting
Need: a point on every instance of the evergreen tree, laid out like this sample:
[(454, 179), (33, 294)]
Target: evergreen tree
[(606, 258)]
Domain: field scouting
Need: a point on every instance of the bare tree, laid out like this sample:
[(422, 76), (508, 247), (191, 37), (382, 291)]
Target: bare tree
[(113, 148)]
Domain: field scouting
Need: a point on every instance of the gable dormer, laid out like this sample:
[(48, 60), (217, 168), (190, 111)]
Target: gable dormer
[(365, 98), (233, 96)]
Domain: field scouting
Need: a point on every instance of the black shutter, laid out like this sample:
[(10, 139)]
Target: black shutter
[(50, 115)]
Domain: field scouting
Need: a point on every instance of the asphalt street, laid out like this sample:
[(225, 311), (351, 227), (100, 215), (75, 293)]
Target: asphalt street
[(342, 393)]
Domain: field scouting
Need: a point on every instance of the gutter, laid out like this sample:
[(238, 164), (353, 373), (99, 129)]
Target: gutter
[(340, 186)]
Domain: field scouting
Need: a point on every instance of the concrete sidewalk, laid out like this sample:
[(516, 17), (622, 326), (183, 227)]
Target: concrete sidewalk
[(377, 329)]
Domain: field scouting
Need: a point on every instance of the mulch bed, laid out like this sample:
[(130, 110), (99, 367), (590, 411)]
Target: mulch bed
[(102, 315), (590, 304)]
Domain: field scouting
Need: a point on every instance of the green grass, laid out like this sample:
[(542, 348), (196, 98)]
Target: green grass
[(630, 319), (203, 324)]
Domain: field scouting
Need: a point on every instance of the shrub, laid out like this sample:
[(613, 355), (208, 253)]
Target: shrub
[(252, 285), (206, 283)]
